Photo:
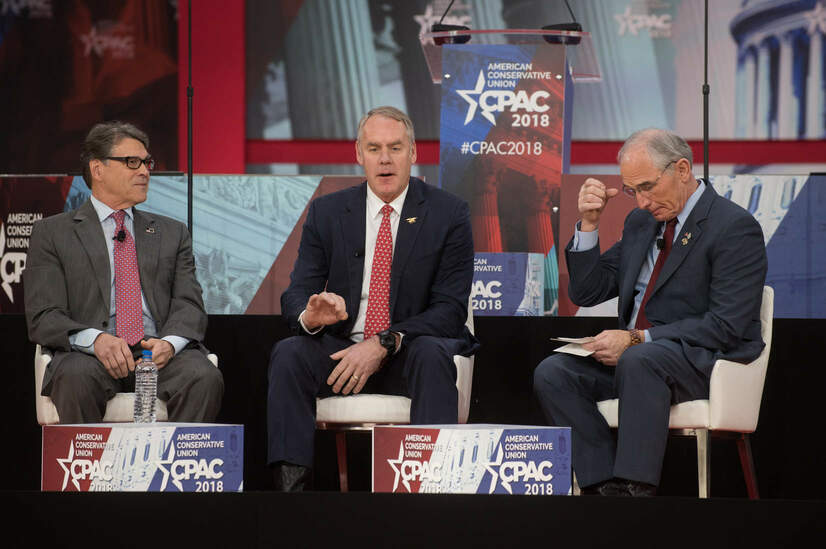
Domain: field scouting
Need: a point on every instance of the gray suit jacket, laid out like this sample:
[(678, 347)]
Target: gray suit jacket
[(708, 294), (67, 281)]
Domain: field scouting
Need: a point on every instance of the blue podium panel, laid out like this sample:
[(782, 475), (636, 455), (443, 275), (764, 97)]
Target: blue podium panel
[(472, 459), (143, 457)]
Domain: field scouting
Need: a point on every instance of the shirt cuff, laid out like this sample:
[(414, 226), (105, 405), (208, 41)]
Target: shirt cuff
[(177, 342), (584, 241), (84, 340), (646, 336), (301, 321)]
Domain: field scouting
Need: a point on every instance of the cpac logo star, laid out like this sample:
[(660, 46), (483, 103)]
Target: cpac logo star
[(12, 265), (117, 40), (83, 469), (187, 469), (495, 101), (412, 470), (427, 19), (516, 471), (657, 25)]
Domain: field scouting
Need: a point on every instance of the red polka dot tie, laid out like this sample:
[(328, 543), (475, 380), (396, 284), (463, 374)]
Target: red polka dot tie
[(128, 315), (378, 301)]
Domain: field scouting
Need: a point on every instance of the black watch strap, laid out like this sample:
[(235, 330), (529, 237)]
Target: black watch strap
[(388, 341)]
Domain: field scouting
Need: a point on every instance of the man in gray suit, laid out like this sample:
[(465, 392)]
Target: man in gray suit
[(106, 281), (689, 272)]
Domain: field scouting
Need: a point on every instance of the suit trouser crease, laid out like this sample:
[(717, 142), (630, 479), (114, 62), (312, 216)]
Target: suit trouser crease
[(80, 387), (648, 379), (300, 365)]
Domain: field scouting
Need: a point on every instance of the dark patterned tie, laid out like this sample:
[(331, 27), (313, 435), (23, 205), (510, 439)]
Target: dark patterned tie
[(668, 239), (378, 300), (128, 315)]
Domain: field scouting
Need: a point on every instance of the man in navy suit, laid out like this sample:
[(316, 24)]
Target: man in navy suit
[(378, 298), (689, 272)]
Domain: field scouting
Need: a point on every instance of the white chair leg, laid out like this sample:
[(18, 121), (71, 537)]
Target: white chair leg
[(703, 462)]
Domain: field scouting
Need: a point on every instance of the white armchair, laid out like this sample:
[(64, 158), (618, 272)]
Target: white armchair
[(119, 409), (363, 411), (732, 408)]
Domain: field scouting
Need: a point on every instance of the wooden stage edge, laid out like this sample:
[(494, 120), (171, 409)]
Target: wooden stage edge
[(269, 519)]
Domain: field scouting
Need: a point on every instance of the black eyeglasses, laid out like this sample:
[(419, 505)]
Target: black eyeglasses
[(644, 187), (134, 162)]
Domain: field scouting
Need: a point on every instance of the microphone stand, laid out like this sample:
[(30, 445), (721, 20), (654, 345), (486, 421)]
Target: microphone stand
[(189, 93), (706, 91)]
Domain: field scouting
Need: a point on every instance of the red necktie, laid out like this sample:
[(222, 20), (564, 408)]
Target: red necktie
[(128, 314), (378, 300), (668, 239)]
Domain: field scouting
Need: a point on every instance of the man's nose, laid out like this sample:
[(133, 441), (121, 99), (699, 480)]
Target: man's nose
[(642, 201)]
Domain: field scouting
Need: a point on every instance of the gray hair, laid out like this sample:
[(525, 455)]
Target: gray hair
[(663, 146), (388, 112), (102, 138)]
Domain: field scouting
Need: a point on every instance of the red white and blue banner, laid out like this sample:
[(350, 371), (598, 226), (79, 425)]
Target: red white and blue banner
[(504, 144), (472, 459), (135, 457)]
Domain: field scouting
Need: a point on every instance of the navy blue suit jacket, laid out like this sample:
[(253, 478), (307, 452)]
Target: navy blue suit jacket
[(708, 294), (432, 266)]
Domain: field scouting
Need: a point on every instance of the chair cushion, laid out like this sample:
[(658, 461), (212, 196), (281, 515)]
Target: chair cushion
[(686, 415), (363, 408), (121, 409)]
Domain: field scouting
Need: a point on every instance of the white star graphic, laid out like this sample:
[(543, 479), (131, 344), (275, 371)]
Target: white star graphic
[(63, 462), (170, 458), (626, 21), (495, 474), (465, 94), (817, 19), (393, 464)]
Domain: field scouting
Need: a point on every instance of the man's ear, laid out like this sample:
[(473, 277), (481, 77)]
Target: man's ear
[(359, 159), (95, 168)]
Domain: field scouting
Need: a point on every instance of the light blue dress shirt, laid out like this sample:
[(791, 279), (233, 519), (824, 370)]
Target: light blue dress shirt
[(84, 340), (584, 241)]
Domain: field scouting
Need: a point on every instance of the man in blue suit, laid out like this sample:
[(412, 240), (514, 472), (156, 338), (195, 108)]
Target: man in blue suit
[(689, 272), (377, 298)]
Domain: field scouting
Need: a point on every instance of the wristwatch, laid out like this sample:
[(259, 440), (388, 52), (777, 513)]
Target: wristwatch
[(388, 341), (636, 337)]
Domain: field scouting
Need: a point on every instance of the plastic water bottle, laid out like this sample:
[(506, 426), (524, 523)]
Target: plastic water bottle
[(146, 389)]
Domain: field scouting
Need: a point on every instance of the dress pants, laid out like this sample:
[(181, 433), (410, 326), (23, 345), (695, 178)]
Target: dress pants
[(80, 387), (648, 379), (299, 367)]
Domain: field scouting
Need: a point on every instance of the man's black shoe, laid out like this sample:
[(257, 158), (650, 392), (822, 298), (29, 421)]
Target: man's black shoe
[(289, 477), (610, 487), (640, 489)]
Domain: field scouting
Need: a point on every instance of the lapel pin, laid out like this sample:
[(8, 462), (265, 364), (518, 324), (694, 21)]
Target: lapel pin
[(411, 220), (686, 238), (150, 230)]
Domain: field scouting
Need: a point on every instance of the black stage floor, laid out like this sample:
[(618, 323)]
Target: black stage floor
[(315, 519)]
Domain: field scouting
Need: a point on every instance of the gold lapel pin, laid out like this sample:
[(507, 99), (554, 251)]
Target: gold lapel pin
[(150, 230), (411, 219), (686, 238)]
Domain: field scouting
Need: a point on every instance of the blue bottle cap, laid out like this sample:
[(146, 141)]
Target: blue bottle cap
[(147, 354)]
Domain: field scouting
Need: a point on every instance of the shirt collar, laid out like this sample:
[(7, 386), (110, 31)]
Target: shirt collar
[(105, 211), (691, 202), (375, 204)]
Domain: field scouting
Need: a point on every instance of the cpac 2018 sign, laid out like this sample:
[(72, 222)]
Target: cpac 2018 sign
[(158, 457), (472, 459)]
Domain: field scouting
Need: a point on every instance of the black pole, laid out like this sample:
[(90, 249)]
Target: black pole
[(189, 120), (706, 91)]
